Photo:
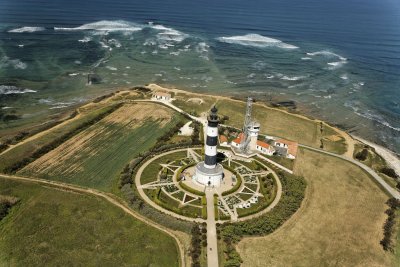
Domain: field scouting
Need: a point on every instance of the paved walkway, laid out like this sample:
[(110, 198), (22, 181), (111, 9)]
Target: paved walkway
[(391, 158), (212, 245), (149, 201), (393, 192)]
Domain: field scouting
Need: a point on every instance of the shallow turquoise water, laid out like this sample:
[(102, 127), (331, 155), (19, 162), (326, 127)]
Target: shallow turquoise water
[(339, 60)]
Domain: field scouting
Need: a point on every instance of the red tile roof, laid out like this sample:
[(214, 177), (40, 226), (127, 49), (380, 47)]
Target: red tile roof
[(223, 139), (262, 144), (292, 146), (238, 140)]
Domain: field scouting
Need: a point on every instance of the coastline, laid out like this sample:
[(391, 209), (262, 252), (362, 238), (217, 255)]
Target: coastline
[(390, 157)]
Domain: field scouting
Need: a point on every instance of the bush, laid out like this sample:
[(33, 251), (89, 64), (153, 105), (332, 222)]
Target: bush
[(191, 190), (362, 155), (389, 172), (388, 231)]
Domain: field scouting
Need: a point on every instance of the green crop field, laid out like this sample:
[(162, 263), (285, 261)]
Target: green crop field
[(96, 156), (52, 227), (26, 149)]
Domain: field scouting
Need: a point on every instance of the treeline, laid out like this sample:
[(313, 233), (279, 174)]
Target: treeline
[(199, 240), (5, 205), (142, 89), (56, 142), (293, 188), (389, 226), (25, 134)]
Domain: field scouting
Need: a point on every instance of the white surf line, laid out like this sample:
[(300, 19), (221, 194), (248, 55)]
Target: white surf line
[(276, 164)]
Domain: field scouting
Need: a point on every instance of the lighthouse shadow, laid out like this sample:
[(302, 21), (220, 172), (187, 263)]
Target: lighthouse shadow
[(220, 157)]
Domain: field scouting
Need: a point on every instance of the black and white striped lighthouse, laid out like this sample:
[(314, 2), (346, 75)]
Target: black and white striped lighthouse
[(210, 160), (209, 172)]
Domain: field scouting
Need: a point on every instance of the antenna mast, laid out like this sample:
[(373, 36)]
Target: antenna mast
[(244, 144)]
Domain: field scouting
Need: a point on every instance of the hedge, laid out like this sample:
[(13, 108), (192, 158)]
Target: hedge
[(191, 190)]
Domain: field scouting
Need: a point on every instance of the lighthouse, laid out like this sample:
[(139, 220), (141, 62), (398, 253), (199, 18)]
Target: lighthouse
[(209, 172)]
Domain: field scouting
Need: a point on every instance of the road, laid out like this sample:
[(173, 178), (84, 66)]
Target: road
[(212, 245), (108, 197), (393, 192)]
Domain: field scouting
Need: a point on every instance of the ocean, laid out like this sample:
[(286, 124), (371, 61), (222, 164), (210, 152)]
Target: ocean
[(338, 60)]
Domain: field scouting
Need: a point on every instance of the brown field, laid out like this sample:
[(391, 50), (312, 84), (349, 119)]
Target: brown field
[(339, 224), (95, 156)]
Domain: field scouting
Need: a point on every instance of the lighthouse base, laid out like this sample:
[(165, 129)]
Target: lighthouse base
[(209, 177)]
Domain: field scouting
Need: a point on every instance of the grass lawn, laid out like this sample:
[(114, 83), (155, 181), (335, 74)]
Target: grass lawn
[(275, 122), (194, 104), (96, 156), (285, 162), (339, 223), (51, 227), (149, 174), (374, 161), (172, 204)]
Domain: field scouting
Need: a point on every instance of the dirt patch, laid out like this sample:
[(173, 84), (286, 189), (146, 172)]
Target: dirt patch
[(196, 100), (334, 138), (133, 115)]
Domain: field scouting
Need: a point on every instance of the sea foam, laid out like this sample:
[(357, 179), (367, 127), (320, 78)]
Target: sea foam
[(256, 40), (15, 63), (10, 90), (105, 26), (168, 34), (328, 54), (368, 114), (27, 29)]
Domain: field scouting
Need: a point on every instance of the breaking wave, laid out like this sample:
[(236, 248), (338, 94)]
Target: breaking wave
[(10, 90), (293, 78), (168, 34), (369, 115), (334, 64), (256, 40), (27, 29), (105, 26), (328, 54)]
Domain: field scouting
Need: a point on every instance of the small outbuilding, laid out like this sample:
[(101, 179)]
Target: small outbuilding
[(265, 148), (163, 96), (236, 142), (286, 148)]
